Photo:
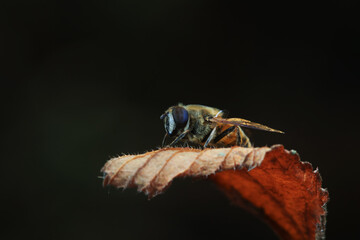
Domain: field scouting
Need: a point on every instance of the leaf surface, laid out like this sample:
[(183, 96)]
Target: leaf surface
[(281, 190)]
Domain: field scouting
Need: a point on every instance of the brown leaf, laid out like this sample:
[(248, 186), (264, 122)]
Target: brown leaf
[(283, 191), (153, 171)]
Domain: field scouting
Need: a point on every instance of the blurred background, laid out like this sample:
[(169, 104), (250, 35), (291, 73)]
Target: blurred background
[(84, 81)]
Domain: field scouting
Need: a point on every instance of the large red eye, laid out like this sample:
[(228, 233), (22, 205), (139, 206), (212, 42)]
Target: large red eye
[(181, 117)]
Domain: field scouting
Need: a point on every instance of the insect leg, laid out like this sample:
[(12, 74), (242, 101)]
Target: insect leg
[(238, 137), (182, 135), (242, 136), (163, 141), (212, 134), (224, 134)]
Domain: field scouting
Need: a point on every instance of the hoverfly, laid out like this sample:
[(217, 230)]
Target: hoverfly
[(207, 126)]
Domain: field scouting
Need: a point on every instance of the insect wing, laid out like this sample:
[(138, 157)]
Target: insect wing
[(244, 123)]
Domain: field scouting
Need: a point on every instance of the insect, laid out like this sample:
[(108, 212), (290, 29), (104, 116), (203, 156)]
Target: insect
[(206, 126)]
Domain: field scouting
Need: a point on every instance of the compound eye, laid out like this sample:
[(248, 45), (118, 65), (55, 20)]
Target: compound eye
[(181, 116)]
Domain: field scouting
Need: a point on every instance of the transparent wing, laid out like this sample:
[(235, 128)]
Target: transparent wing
[(243, 123)]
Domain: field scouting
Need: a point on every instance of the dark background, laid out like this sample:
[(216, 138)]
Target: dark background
[(83, 81)]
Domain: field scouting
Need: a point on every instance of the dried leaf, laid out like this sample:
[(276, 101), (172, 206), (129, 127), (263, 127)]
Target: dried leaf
[(283, 191), (153, 171)]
